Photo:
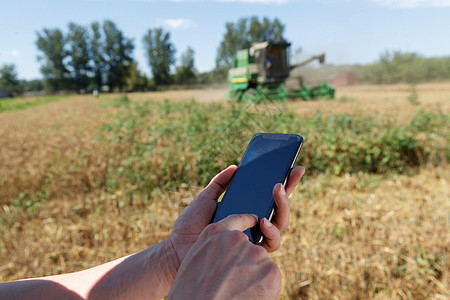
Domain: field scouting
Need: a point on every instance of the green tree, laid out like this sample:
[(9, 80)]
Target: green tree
[(117, 55), (51, 43), (137, 81), (243, 33), (8, 79), (161, 55), (212, 77), (96, 53), (404, 67), (79, 54), (186, 73), (35, 85)]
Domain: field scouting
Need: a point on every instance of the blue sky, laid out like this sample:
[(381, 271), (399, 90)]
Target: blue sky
[(349, 31)]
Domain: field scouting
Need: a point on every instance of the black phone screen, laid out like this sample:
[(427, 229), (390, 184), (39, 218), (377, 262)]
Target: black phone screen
[(266, 162)]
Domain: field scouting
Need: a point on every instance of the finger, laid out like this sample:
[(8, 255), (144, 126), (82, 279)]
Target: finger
[(272, 236), (207, 199), (239, 222), (281, 219), (201, 210), (294, 178), (219, 183)]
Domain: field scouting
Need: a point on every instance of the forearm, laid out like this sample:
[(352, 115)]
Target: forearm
[(148, 274)]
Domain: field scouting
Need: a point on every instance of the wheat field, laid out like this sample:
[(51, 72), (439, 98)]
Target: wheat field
[(355, 235)]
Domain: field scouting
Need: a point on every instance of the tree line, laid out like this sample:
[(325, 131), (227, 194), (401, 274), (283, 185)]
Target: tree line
[(100, 56), (404, 67), (84, 58)]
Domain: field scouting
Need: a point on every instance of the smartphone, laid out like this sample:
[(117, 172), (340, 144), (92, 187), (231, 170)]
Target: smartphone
[(267, 161)]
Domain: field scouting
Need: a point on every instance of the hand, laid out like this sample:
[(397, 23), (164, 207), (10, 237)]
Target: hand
[(149, 274), (223, 264), (199, 212)]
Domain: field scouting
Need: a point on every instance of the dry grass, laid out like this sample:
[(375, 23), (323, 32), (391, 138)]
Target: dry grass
[(390, 101), (43, 142), (351, 237), (200, 95), (351, 240)]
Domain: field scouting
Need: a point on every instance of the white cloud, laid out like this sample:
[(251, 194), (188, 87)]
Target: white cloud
[(15, 52), (413, 3), (178, 23)]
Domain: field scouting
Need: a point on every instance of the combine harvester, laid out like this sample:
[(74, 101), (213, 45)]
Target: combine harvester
[(260, 73)]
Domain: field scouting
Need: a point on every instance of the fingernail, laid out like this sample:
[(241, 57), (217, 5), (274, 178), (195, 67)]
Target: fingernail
[(267, 223), (256, 217), (278, 184), (283, 191)]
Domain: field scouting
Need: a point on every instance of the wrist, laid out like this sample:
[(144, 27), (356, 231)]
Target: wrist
[(165, 263), (148, 274)]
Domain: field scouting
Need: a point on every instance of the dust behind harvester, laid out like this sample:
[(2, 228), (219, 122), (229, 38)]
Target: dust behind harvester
[(259, 74)]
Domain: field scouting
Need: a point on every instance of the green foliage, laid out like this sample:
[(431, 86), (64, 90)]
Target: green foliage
[(212, 77), (136, 80), (78, 52), (96, 55), (51, 43), (35, 85), (186, 73), (243, 33), (161, 55), (8, 79), (81, 60), (400, 67), (22, 103), (345, 99), (413, 98), (117, 55), (122, 100), (32, 201), (165, 145)]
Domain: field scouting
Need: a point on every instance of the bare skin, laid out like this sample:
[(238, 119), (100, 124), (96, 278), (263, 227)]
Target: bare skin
[(150, 274), (223, 264)]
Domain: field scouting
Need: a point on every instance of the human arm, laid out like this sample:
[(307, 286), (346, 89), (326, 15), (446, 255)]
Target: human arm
[(138, 276), (197, 215), (149, 274)]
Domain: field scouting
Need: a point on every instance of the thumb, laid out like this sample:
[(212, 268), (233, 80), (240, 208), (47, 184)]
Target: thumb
[(207, 199), (219, 183), (239, 222)]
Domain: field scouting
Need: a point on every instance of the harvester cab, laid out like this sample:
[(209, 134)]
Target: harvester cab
[(262, 64), (272, 61), (259, 73)]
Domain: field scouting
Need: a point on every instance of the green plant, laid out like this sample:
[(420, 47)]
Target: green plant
[(345, 99), (413, 97), (12, 104), (162, 145)]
